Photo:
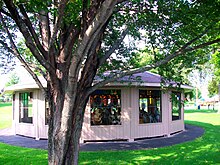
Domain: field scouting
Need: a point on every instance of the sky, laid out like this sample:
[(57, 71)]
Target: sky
[(3, 80)]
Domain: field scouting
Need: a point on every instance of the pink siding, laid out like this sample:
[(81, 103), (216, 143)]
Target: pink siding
[(147, 129), (130, 128), (106, 132), (42, 129)]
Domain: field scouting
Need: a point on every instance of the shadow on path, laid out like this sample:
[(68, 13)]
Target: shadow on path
[(191, 133)]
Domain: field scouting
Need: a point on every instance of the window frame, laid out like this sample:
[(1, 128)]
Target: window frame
[(175, 94), (156, 117), (26, 107), (109, 113)]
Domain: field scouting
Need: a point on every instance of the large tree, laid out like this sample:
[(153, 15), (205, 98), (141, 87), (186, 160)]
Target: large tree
[(75, 40)]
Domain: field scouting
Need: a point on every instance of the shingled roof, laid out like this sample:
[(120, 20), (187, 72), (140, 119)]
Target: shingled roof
[(145, 77), (139, 79)]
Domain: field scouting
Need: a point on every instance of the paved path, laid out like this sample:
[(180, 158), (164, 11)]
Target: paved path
[(191, 133)]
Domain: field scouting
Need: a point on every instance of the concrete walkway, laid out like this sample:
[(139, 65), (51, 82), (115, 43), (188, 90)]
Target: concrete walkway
[(191, 133)]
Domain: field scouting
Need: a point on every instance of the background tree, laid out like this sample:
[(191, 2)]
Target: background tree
[(13, 79), (213, 86), (193, 95), (74, 41)]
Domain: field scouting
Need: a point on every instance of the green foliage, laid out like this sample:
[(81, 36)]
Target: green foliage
[(13, 79), (192, 94), (216, 61), (73, 10), (27, 55), (143, 58), (213, 86), (163, 26), (169, 26), (35, 5)]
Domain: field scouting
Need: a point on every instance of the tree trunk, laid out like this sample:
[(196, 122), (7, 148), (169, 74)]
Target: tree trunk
[(67, 107), (64, 134)]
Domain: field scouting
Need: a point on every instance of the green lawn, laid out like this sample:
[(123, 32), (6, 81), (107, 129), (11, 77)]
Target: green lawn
[(11, 155), (5, 115), (204, 150)]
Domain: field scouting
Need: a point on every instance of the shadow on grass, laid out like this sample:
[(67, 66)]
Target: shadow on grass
[(203, 150)]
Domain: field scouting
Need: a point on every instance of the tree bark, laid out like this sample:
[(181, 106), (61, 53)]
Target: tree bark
[(63, 142), (68, 104), (67, 112)]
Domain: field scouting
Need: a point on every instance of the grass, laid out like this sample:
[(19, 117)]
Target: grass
[(11, 155), (204, 150), (5, 115)]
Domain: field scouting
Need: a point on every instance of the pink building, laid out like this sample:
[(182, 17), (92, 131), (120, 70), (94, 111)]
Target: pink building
[(136, 108)]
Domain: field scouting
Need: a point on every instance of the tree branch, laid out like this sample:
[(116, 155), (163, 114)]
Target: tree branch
[(86, 42), (5, 12), (17, 54), (73, 34), (5, 45), (38, 69), (179, 52), (44, 30), (32, 31), (120, 1), (95, 27), (113, 48), (59, 18), (30, 44), (203, 45)]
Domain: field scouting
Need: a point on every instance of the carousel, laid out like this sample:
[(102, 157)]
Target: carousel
[(118, 111)]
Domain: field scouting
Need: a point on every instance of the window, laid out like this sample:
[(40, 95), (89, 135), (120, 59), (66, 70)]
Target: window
[(105, 107), (176, 105), (25, 107), (150, 106)]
